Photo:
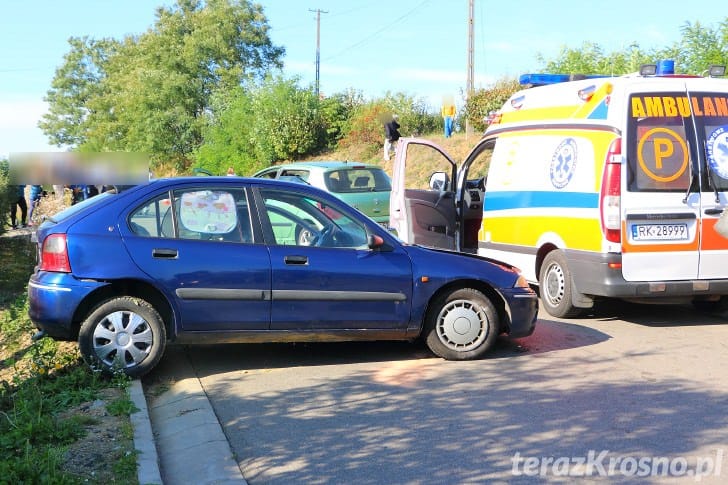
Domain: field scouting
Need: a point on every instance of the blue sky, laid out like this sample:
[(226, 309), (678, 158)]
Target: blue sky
[(414, 46)]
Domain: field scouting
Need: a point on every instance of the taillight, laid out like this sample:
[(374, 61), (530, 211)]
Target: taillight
[(611, 192), (54, 255)]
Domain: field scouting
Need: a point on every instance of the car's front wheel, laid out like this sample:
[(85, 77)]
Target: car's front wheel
[(461, 325), (123, 334)]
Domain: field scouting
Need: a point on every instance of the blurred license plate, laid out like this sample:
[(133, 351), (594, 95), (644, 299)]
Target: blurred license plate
[(659, 232)]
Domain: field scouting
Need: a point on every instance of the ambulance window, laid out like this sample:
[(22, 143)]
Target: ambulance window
[(711, 118), (658, 153)]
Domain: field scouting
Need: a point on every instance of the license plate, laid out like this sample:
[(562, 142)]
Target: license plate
[(660, 232)]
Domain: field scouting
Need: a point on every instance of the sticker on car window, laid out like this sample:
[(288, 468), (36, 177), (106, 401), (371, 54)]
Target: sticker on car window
[(208, 211)]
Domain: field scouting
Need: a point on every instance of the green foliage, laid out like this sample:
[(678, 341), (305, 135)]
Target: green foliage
[(699, 47), (287, 121), (590, 58), (77, 81), (149, 93), (250, 128), (484, 101), (336, 111), (365, 126)]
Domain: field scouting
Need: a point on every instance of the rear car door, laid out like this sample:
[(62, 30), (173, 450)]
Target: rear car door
[(674, 192), (198, 245), (330, 280), (424, 211)]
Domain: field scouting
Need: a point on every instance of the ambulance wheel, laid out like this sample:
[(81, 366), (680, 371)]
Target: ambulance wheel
[(555, 286)]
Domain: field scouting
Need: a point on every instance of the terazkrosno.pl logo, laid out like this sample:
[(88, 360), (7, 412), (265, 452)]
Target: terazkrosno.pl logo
[(601, 464)]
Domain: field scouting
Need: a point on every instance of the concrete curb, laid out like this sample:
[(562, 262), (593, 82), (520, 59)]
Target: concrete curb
[(190, 441), (147, 459)]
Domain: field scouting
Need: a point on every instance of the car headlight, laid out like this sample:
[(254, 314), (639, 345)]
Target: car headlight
[(521, 282)]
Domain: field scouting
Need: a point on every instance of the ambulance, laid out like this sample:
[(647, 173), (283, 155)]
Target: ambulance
[(600, 187)]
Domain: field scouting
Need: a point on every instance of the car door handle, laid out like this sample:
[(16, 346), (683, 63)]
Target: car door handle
[(296, 260), (164, 253), (713, 212)]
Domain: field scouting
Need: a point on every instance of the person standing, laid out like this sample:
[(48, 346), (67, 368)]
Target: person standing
[(391, 136), (448, 115), (36, 191), (18, 200)]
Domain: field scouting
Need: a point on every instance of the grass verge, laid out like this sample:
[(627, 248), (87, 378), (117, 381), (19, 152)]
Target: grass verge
[(51, 403)]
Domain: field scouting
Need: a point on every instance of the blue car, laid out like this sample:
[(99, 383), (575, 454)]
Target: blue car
[(215, 260)]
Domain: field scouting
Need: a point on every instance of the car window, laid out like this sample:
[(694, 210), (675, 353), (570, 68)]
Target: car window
[(270, 174), (203, 214), (360, 179), (306, 221), (298, 173), (149, 219)]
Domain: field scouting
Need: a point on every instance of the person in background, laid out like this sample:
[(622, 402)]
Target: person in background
[(391, 136), (36, 192), (18, 200), (231, 172), (448, 115)]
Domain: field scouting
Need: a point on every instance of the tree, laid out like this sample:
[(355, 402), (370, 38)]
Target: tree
[(76, 82), (158, 85), (249, 128)]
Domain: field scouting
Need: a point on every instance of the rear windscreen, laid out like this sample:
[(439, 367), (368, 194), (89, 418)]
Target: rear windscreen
[(357, 180)]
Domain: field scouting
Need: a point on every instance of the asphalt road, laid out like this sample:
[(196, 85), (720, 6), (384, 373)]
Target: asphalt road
[(632, 392)]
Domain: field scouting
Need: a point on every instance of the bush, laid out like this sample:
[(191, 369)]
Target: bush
[(483, 101)]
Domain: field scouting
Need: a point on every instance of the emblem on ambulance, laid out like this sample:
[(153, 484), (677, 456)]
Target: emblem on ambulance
[(717, 148), (563, 163)]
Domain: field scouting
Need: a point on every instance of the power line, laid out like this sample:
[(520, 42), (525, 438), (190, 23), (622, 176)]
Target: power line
[(370, 37)]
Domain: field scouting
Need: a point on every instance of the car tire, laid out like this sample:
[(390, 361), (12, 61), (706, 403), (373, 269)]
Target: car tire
[(124, 334), (461, 325), (555, 287)]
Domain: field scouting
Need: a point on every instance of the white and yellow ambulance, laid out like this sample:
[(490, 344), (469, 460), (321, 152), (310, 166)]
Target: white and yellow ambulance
[(598, 187)]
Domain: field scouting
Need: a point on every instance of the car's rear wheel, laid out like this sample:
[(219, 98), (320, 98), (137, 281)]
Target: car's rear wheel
[(461, 325), (123, 334)]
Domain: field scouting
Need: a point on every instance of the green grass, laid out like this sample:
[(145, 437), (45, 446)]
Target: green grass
[(38, 382)]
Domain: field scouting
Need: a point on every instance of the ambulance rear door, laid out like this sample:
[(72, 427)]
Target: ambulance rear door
[(709, 100), (668, 205)]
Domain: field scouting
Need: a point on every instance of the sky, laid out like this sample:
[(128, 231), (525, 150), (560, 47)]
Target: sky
[(417, 47)]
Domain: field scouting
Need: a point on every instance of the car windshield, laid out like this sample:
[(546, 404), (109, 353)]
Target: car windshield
[(357, 179)]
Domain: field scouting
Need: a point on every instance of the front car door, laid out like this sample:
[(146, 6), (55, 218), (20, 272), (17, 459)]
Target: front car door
[(330, 279), (421, 210)]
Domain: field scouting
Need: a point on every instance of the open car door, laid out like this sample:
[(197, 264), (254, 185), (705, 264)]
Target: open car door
[(422, 206)]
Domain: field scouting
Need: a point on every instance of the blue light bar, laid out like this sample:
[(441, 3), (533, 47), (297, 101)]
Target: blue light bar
[(540, 79)]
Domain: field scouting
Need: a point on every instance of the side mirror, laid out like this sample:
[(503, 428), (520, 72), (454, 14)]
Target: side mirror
[(374, 241), (439, 181)]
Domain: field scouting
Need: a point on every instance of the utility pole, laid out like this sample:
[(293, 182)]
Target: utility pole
[(318, 46), (471, 55)]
